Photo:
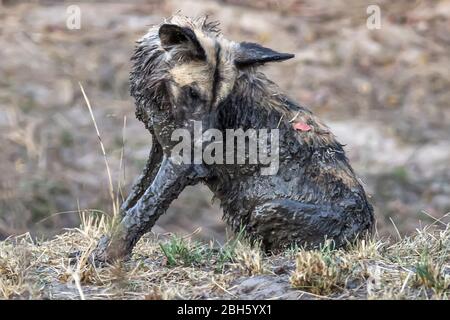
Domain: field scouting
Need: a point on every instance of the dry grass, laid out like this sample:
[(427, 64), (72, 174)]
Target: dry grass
[(249, 258), (416, 267)]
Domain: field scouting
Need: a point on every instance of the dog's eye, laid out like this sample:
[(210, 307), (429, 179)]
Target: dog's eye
[(193, 93)]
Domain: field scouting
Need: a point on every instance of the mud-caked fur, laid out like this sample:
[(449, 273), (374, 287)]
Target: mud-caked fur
[(185, 70)]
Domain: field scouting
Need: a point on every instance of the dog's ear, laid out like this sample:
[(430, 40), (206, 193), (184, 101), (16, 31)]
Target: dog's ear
[(182, 39), (251, 54)]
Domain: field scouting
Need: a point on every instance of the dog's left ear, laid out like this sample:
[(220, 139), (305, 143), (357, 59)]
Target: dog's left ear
[(250, 54), (180, 38)]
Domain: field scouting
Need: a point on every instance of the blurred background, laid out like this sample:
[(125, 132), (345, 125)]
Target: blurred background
[(384, 92)]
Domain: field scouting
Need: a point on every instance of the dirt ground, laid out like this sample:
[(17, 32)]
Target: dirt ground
[(385, 93)]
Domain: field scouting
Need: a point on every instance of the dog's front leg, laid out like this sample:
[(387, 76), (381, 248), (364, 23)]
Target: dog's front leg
[(168, 183), (145, 179)]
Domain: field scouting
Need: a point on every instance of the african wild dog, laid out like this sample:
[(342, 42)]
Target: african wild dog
[(185, 70)]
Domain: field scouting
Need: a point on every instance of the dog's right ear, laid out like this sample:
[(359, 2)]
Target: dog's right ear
[(253, 54), (180, 39)]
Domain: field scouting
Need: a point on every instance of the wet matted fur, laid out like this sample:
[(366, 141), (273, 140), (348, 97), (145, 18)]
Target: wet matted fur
[(185, 70)]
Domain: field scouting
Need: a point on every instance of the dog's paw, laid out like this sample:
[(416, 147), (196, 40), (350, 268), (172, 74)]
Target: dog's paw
[(98, 256), (74, 257)]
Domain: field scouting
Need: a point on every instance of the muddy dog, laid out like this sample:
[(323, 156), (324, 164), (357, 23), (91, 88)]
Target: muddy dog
[(185, 71)]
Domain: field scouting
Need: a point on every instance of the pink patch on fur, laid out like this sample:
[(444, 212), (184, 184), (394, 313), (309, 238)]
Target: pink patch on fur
[(301, 126)]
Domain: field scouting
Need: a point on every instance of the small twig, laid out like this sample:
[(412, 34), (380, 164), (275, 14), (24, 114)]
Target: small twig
[(65, 212), (296, 115), (406, 281), (279, 122), (76, 278), (111, 187), (222, 288), (396, 229), (436, 220), (122, 156)]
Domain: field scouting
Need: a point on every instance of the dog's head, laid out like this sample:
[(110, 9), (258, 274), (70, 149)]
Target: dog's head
[(184, 69)]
